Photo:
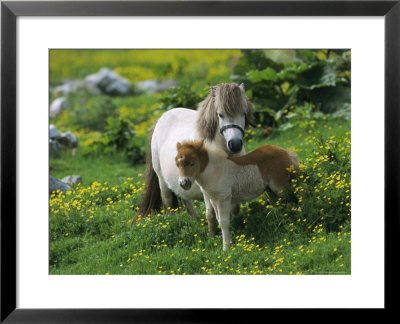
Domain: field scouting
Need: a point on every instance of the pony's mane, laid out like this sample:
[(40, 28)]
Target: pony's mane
[(230, 99)]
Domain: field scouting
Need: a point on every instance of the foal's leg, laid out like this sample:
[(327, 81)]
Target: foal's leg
[(223, 212), (189, 206), (276, 187), (210, 215), (273, 196)]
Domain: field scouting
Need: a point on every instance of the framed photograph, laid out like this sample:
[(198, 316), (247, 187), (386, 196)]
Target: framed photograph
[(83, 83)]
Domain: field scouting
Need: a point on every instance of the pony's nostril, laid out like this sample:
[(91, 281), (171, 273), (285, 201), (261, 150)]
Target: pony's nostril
[(235, 145), (185, 183)]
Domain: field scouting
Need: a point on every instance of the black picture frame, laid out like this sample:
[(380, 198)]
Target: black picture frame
[(10, 10)]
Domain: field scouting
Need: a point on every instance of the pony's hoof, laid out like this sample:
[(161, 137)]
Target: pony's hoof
[(225, 246)]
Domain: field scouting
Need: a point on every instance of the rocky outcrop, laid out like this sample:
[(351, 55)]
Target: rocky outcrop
[(106, 81), (72, 179), (153, 86), (55, 184), (59, 141)]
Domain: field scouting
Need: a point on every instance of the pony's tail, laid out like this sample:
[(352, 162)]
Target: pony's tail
[(151, 198)]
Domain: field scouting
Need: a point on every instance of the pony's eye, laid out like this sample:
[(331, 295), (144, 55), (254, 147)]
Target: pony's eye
[(220, 115)]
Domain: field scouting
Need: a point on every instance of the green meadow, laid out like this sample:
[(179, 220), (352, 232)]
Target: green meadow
[(95, 228)]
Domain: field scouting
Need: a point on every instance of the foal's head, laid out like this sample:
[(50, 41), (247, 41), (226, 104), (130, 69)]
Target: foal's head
[(191, 159)]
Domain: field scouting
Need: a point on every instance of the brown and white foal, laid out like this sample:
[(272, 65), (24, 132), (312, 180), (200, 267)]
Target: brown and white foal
[(226, 181)]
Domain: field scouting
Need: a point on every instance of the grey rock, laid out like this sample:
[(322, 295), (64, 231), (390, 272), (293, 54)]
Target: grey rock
[(69, 86), (55, 184), (108, 82), (68, 139), (54, 148), (58, 141), (118, 88), (53, 132), (152, 86), (147, 86), (58, 105), (92, 88), (72, 179)]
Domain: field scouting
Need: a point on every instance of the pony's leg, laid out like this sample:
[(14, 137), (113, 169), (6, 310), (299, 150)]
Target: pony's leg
[(166, 193), (223, 212), (235, 210), (189, 206), (272, 194), (210, 215)]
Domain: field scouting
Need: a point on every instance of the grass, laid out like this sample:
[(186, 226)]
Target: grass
[(91, 230), (109, 169)]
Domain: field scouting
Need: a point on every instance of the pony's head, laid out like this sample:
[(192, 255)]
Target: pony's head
[(224, 115), (191, 159)]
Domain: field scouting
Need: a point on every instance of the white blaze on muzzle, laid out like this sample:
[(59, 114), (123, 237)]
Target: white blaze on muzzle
[(233, 135)]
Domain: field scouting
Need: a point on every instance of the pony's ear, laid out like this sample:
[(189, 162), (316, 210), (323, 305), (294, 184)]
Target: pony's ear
[(242, 87), (178, 146), (213, 91)]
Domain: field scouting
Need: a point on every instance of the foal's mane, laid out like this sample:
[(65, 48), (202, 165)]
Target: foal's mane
[(230, 99)]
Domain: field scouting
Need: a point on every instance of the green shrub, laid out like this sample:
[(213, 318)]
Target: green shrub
[(319, 77), (318, 196), (119, 137), (180, 96)]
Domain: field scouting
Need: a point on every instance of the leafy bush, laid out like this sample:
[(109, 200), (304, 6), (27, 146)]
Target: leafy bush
[(300, 116), (317, 200), (180, 96), (306, 116), (119, 137), (319, 77)]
